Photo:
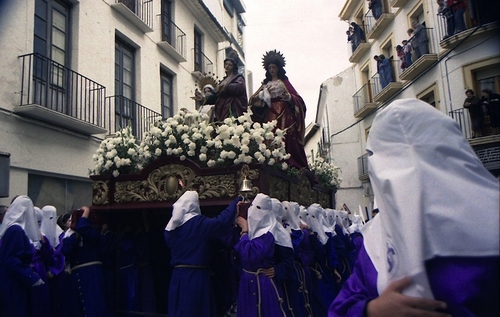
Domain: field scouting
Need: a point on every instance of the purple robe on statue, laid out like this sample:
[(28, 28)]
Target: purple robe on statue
[(474, 293), (232, 99), (190, 292), (290, 116), (258, 295), (16, 275)]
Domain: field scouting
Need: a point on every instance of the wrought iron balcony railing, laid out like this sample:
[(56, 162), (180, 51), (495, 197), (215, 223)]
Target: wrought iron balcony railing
[(362, 97), (50, 85), (423, 57), (202, 63), (125, 112), (175, 37), (140, 9)]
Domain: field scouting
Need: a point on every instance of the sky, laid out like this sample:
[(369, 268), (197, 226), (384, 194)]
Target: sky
[(309, 34)]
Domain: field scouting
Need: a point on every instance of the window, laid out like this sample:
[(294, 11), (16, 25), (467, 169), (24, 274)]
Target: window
[(51, 30), (488, 78), (167, 103), (166, 19), (198, 53), (50, 41), (64, 194), (124, 86), (483, 74), (430, 95)]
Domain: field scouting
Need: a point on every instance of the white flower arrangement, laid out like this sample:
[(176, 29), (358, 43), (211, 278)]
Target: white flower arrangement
[(327, 174), (117, 155), (190, 135)]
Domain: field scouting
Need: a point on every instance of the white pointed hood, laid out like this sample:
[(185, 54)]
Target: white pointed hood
[(185, 208), (291, 215), (281, 235), (22, 212), (49, 225), (260, 216), (314, 220), (424, 173)]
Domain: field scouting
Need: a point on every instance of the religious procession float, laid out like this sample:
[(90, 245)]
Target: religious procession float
[(135, 185), (218, 160)]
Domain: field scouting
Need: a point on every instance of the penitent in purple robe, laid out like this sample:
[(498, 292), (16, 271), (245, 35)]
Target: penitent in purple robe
[(16, 275), (190, 292), (258, 295), (44, 260), (468, 285), (87, 282)]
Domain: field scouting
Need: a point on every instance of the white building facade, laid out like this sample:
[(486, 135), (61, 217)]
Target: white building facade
[(464, 59), (74, 72)]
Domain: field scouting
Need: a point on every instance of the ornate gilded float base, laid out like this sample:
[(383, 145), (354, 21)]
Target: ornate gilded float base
[(161, 183)]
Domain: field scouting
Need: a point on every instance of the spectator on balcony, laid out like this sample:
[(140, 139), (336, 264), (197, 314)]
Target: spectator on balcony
[(420, 43), (350, 38), (401, 55), (473, 103), (491, 102), (412, 43), (407, 51), (376, 7), (358, 35), (231, 91), (458, 8), (447, 13), (422, 255), (385, 71)]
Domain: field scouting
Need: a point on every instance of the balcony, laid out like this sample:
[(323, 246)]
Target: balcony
[(462, 117), (448, 41), (487, 146), (348, 9), (363, 101), (363, 167), (359, 52), (174, 42), (202, 64), (398, 3), (138, 12), (424, 61), (383, 93), (374, 27), (125, 112), (53, 93)]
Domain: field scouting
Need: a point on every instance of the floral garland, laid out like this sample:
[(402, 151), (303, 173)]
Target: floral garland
[(189, 135), (326, 173)]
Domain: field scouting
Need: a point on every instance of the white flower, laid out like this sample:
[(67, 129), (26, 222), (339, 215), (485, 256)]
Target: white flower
[(211, 163), (182, 157), (202, 157), (158, 152), (131, 151), (116, 173)]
